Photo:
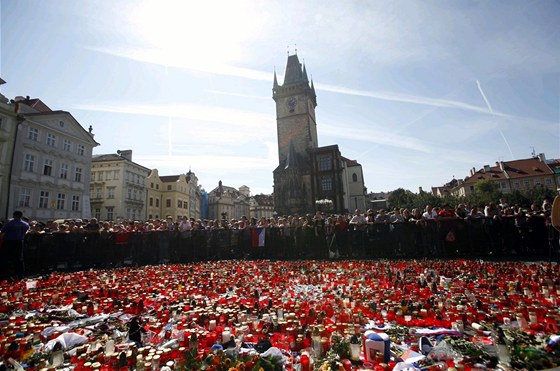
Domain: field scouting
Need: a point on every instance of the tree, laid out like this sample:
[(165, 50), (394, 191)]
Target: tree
[(538, 193), (401, 198), (487, 191)]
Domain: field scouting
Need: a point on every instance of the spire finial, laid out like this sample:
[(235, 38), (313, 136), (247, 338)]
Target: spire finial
[(288, 51), (295, 47)]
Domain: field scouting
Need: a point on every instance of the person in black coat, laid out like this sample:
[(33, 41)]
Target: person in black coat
[(135, 331)]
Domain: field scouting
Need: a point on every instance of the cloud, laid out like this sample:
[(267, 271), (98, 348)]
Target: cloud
[(375, 136), (233, 94), (247, 120), (157, 57)]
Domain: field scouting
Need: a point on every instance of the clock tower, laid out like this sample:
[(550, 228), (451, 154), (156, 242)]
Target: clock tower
[(297, 139), (309, 178), (295, 110)]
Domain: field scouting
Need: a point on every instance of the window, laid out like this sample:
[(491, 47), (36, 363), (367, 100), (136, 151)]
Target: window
[(116, 174), (157, 202), (179, 204), (78, 174), (44, 199), (151, 201), (66, 145), (354, 177), (108, 175), (47, 167), (33, 134), (526, 183), (24, 197), (169, 187), (185, 205), (129, 193), (325, 163), (51, 140), (537, 181), (99, 176), (503, 185), (29, 163), (63, 171), (548, 181), (75, 203), (110, 192), (128, 215), (157, 186), (326, 184), (516, 184), (152, 185), (135, 194), (97, 213), (168, 202), (110, 211), (60, 198), (98, 192), (80, 149)]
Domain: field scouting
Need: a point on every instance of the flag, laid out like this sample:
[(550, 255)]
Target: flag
[(258, 236)]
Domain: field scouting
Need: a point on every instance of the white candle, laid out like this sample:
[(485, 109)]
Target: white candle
[(212, 325), (226, 336)]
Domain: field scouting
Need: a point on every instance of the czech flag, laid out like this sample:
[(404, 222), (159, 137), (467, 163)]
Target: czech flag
[(258, 236)]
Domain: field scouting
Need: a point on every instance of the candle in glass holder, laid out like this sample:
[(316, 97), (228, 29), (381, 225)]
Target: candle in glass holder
[(226, 335)]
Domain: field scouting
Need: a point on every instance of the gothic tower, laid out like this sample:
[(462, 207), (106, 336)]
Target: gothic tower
[(297, 138), (295, 110)]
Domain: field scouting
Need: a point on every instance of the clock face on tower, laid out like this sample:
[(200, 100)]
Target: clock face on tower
[(291, 103)]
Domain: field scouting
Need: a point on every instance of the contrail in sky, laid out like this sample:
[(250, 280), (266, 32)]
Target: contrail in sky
[(492, 112), (169, 138)]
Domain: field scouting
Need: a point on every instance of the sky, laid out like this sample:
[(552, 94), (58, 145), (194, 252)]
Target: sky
[(418, 92)]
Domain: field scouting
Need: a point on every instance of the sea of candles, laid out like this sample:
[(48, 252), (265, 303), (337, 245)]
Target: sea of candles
[(296, 305)]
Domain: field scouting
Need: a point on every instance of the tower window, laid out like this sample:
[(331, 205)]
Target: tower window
[(354, 177), (326, 184), (325, 163)]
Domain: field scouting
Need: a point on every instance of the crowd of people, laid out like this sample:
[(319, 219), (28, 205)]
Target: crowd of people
[(496, 229)]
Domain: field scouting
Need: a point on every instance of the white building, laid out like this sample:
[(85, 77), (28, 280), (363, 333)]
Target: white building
[(51, 165)]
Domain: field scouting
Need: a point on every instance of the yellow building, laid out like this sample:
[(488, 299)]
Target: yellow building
[(118, 187), (173, 195)]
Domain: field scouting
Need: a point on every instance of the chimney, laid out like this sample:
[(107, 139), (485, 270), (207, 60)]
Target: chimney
[(127, 154), (542, 158), (486, 168), (473, 171), (420, 190), (502, 165)]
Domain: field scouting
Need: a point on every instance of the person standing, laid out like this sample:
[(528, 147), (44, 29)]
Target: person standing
[(13, 233)]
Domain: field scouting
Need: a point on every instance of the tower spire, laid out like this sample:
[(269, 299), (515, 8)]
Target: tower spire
[(275, 84), (305, 73)]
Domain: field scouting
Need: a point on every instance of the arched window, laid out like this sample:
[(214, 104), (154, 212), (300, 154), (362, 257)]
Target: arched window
[(354, 177)]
